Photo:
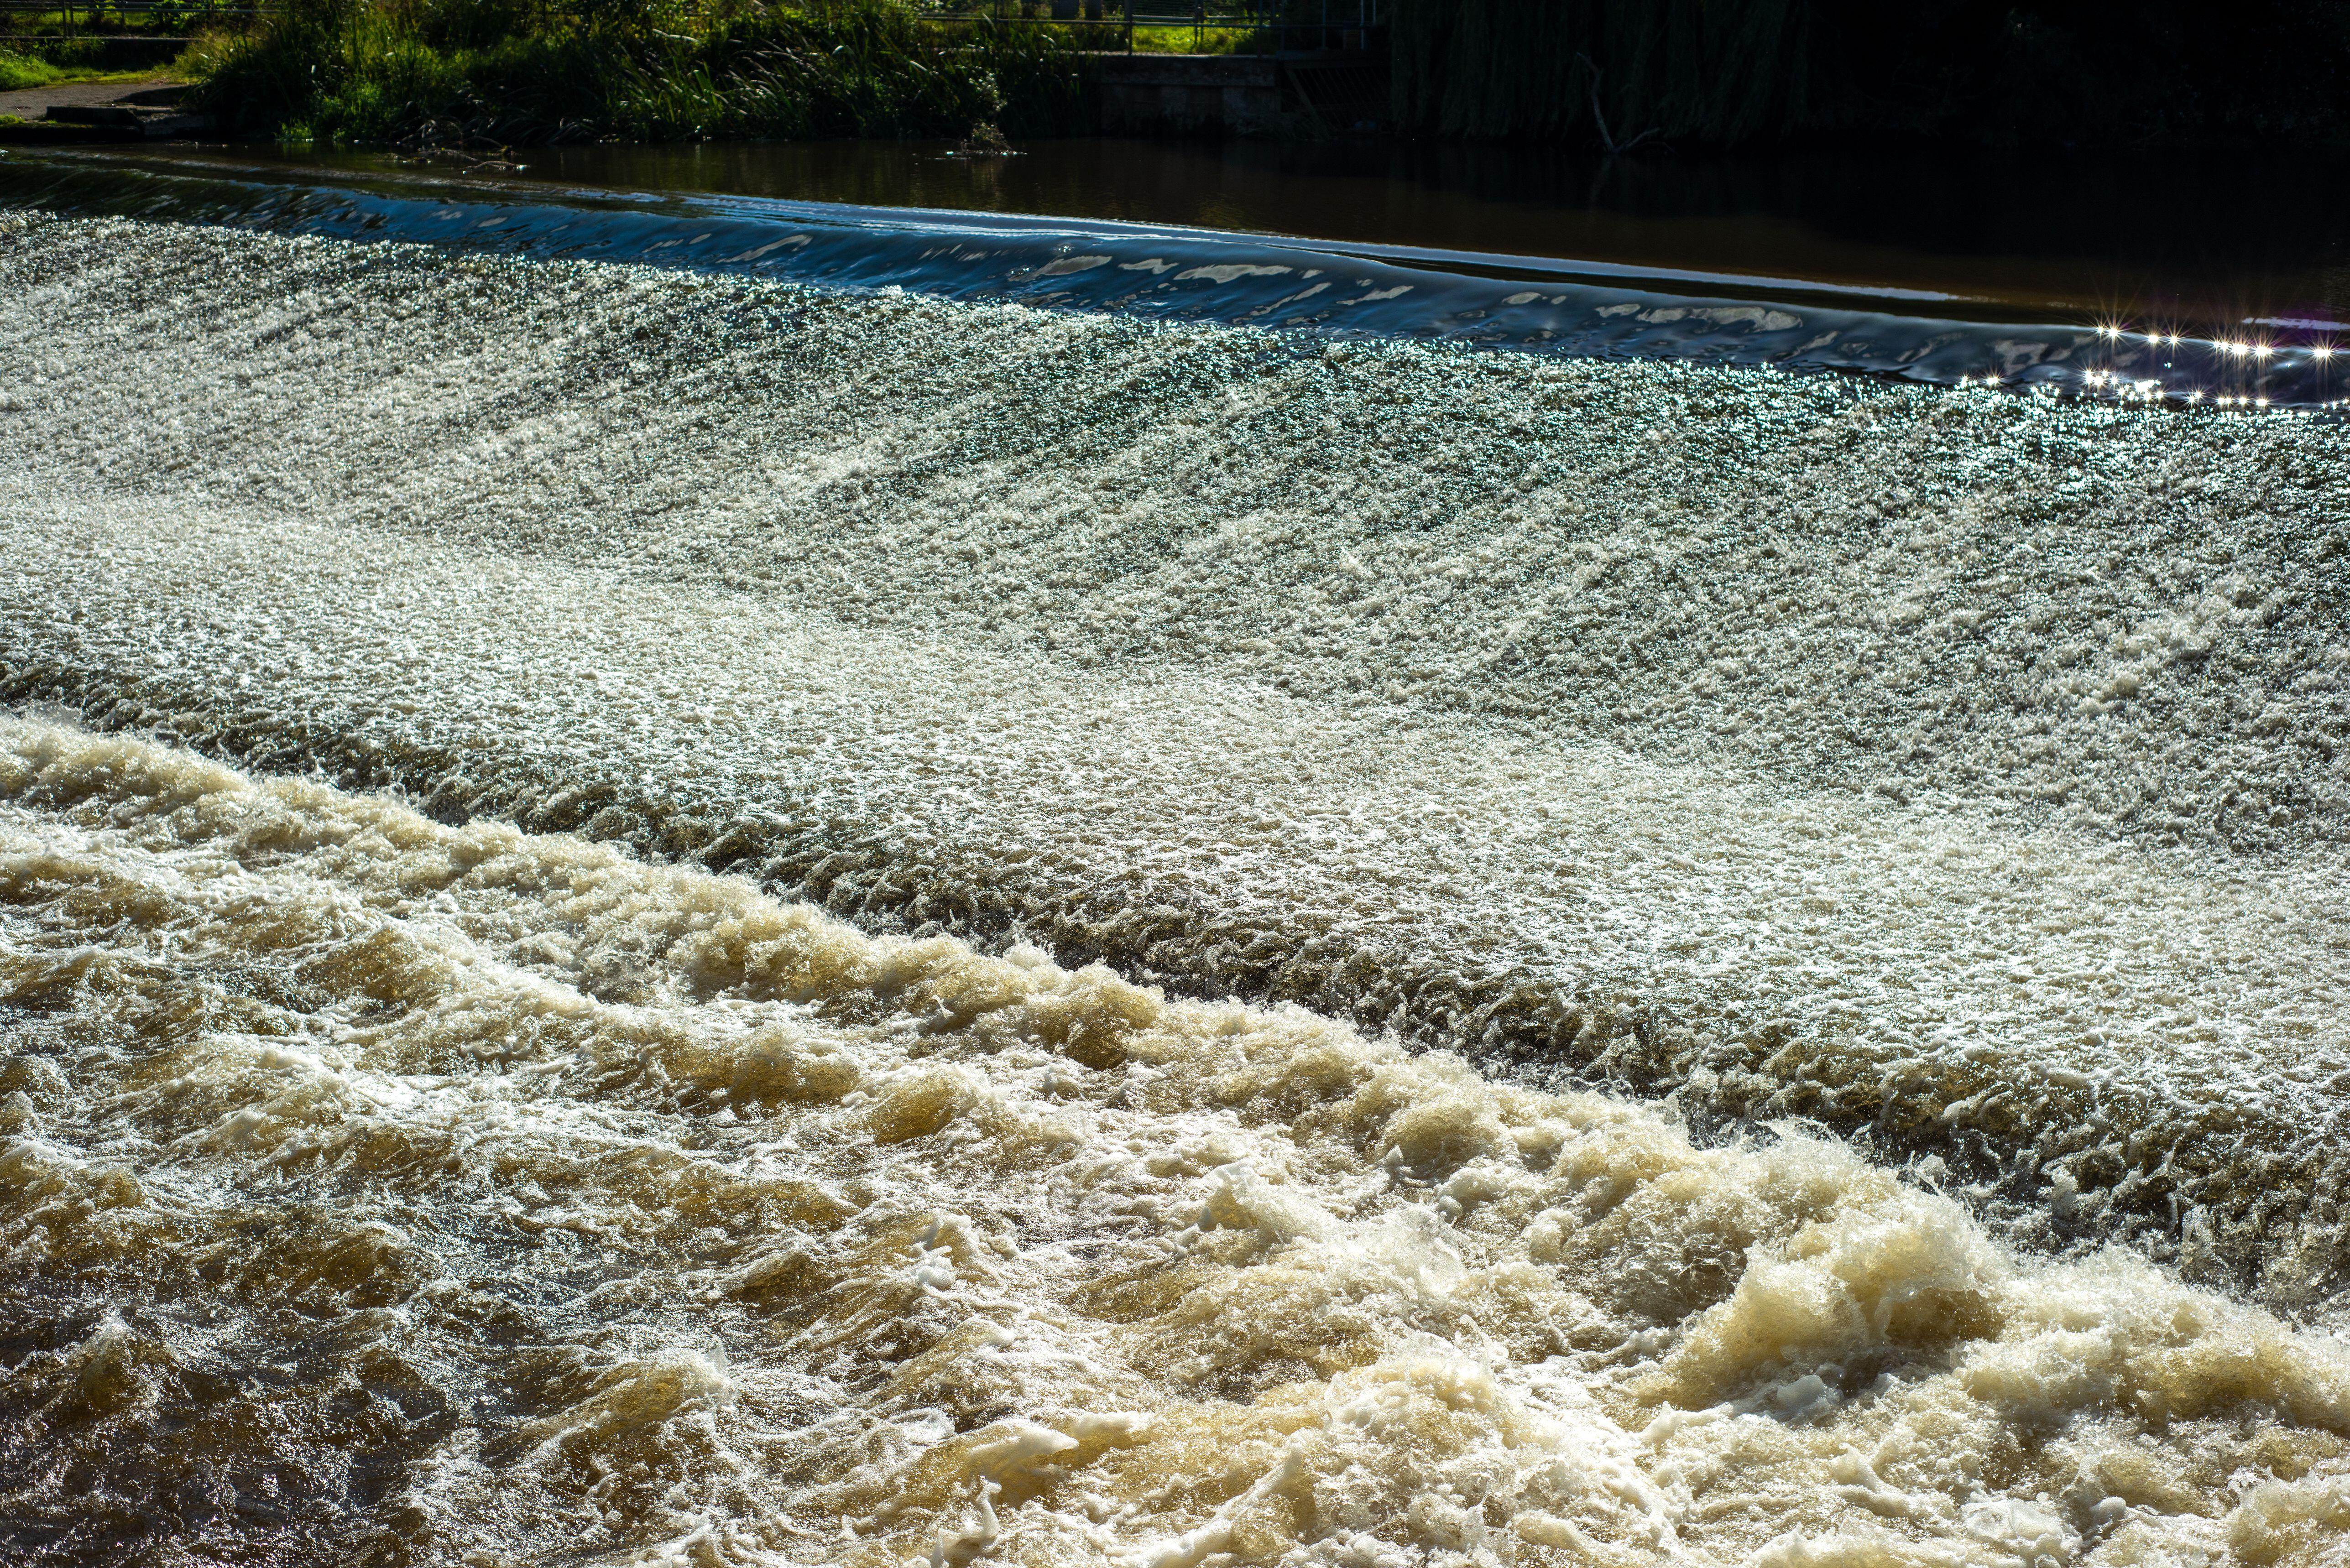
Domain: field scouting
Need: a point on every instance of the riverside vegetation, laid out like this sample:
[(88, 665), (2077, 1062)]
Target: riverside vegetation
[(1606, 74), (434, 71)]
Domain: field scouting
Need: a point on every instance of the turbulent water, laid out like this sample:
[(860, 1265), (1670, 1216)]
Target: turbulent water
[(1406, 955)]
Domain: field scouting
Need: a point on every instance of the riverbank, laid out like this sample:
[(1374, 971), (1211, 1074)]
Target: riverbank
[(115, 108), (1606, 75), (1719, 73)]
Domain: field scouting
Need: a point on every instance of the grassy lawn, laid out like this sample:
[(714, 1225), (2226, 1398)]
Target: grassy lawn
[(1195, 41), (42, 49), (17, 71)]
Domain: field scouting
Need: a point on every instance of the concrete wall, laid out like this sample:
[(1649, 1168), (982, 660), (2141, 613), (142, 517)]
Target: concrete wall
[(1197, 94)]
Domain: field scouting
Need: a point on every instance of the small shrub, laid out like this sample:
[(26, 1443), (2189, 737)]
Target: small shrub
[(18, 71)]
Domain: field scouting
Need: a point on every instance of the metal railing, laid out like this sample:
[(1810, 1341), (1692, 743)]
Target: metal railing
[(1266, 25), (90, 14)]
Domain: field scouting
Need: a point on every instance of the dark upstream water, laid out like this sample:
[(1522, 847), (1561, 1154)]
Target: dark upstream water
[(2173, 240), (723, 880), (1303, 285)]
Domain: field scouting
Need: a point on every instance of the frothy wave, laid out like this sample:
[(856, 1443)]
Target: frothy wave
[(481, 1191)]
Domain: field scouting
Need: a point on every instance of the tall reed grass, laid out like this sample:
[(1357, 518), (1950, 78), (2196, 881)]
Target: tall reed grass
[(521, 71), (18, 71)]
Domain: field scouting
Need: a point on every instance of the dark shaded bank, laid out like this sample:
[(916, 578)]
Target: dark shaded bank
[(1726, 72), (1607, 74)]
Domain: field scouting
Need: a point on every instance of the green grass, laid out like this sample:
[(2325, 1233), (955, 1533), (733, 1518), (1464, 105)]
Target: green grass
[(21, 71), (1181, 40), (448, 71), (17, 71), (39, 52)]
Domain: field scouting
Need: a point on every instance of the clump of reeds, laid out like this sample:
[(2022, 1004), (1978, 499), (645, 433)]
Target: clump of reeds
[(24, 71)]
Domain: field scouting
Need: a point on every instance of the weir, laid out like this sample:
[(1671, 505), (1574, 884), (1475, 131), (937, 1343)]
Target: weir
[(1419, 566)]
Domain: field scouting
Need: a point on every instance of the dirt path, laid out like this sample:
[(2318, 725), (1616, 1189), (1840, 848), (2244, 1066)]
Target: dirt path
[(31, 103), (150, 96)]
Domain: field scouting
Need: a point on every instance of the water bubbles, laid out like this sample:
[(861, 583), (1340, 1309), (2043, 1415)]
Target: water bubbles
[(1083, 1274), (1394, 689)]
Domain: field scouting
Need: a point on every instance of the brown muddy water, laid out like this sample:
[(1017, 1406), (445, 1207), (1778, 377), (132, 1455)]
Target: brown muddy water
[(652, 916)]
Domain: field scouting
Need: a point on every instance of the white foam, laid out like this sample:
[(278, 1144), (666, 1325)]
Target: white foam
[(1966, 767), (1082, 1275)]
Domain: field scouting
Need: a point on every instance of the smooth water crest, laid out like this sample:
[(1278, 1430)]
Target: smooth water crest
[(653, 912), (1529, 304), (2181, 240)]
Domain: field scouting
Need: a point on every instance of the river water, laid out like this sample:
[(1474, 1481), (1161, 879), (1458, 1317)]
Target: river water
[(2176, 238), (657, 912)]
